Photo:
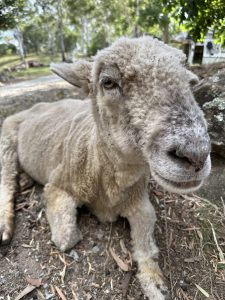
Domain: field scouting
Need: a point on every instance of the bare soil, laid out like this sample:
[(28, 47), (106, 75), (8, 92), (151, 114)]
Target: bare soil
[(189, 232)]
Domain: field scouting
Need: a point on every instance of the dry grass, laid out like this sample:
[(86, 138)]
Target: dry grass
[(194, 235)]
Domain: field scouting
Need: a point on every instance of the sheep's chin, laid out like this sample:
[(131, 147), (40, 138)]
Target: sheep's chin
[(177, 187)]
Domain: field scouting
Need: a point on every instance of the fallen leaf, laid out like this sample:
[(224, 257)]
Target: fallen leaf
[(125, 283), (34, 281), (202, 290), (60, 293), (26, 291), (123, 266), (123, 247), (158, 193)]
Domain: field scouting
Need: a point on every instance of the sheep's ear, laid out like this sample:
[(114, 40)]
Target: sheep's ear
[(193, 79), (77, 73)]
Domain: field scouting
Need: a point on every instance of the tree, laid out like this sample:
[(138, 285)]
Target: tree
[(9, 13), (35, 37), (100, 22), (198, 16)]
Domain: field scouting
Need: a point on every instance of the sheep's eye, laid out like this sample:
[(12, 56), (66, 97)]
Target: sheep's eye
[(108, 83)]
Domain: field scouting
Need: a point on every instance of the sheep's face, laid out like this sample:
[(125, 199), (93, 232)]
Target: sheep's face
[(145, 110), (146, 106)]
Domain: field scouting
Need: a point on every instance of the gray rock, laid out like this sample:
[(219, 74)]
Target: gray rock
[(210, 87), (2, 280), (48, 295), (210, 94), (95, 249), (73, 254), (214, 188), (215, 115), (100, 234)]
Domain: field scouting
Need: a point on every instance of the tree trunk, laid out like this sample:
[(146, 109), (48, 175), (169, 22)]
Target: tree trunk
[(137, 31), (166, 33), (61, 30), (19, 37)]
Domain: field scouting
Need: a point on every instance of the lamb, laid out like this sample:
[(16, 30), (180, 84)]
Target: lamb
[(140, 120)]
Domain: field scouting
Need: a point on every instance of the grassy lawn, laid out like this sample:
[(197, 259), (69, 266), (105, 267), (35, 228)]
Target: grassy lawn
[(31, 73), (8, 61)]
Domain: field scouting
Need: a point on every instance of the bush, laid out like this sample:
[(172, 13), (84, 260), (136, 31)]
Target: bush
[(7, 49)]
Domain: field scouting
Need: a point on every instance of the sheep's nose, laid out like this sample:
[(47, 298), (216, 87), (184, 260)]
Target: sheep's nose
[(193, 156)]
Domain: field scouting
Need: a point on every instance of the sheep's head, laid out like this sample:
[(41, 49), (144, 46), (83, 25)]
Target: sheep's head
[(145, 110)]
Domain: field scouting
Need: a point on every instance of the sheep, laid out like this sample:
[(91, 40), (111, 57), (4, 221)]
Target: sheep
[(139, 120)]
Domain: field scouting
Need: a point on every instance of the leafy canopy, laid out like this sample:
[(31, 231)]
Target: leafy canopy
[(9, 13), (198, 16)]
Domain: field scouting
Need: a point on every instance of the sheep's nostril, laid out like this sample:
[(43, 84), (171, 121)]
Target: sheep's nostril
[(191, 158), (178, 156)]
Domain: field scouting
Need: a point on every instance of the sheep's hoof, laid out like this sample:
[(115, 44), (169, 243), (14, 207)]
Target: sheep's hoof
[(153, 286), (6, 225), (5, 237), (6, 232), (68, 239)]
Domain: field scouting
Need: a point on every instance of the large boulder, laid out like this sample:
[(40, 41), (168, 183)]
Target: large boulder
[(215, 115), (210, 94), (214, 186), (210, 87)]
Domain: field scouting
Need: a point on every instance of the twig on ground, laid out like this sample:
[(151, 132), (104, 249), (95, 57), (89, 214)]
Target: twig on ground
[(167, 249), (60, 293), (125, 283), (110, 237), (223, 205), (26, 291), (221, 254), (74, 293)]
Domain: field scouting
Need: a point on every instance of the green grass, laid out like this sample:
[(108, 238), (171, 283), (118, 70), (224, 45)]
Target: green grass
[(31, 73), (9, 61)]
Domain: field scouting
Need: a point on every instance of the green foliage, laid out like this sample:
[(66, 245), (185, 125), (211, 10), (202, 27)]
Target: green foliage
[(198, 16), (9, 13), (7, 49), (98, 41), (100, 22), (70, 39), (52, 26), (34, 37)]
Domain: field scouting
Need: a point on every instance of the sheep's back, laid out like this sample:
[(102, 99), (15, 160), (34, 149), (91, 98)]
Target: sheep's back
[(43, 132)]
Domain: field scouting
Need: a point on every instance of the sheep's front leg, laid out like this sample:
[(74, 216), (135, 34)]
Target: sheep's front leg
[(61, 215), (9, 172), (7, 191), (142, 221)]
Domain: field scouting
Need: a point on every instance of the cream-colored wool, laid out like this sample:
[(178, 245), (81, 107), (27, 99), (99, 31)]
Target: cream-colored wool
[(140, 119)]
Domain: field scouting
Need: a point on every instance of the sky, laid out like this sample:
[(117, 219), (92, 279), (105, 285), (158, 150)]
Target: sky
[(7, 36)]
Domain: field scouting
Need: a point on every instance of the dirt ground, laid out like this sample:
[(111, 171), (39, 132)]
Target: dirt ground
[(189, 232)]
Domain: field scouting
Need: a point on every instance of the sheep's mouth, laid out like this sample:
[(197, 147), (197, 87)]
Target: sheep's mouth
[(177, 186)]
